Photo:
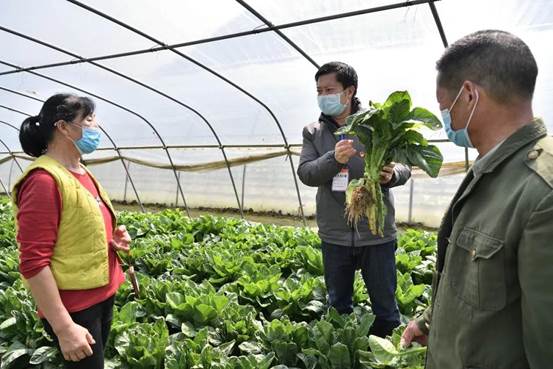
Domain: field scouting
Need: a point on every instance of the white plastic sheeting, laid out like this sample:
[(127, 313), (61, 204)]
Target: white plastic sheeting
[(391, 50)]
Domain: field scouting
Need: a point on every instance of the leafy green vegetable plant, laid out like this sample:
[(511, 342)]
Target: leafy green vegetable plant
[(390, 133)]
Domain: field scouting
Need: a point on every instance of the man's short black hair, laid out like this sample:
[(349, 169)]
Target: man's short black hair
[(498, 61), (345, 74)]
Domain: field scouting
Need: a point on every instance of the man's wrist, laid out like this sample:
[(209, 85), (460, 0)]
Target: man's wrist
[(336, 159)]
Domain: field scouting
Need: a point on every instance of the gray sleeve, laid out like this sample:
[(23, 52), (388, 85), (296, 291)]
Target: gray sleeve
[(315, 170), (402, 173)]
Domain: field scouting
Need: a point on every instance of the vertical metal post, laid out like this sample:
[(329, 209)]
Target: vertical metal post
[(177, 194), (240, 207), (411, 193), (304, 221), (126, 185), (10, 173), (243, 183), (6, 191)]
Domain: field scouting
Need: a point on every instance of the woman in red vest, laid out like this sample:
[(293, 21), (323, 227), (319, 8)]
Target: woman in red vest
[(67, 231)]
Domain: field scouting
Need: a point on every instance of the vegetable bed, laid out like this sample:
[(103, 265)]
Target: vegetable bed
[(222, 293)]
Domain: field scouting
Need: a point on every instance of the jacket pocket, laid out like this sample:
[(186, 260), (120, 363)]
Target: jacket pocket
[(477, 270)]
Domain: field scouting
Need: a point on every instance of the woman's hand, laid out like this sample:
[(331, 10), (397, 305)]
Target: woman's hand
[(75, 342), (121, 239)]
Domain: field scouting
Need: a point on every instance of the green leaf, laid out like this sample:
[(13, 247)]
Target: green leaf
[(12, 355), (361, 343), (429, 159), (310, 361), (339, 356), (250, 347), (8, 323), (426, 117), (265, 361), (43, 354), (322, 334), (383, 350), (286, 352), (188, 329), (316, 306), (129, 312), (365, 323), (175, 299), (227, 347), (204, 313), (412, 137), (397, 106)]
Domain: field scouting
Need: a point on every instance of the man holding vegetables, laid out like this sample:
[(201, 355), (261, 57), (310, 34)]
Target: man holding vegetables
[(329, 163), (492, 292)]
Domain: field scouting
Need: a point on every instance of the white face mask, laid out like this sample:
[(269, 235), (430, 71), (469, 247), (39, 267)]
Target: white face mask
[(331, 105)]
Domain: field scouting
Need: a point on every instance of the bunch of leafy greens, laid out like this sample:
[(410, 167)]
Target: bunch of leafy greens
[(390, 133)]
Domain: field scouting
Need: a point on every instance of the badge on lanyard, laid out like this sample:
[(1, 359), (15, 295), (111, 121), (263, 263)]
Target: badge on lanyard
[(341, 180)]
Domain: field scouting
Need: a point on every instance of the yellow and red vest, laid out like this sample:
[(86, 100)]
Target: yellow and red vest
[(80, 259)]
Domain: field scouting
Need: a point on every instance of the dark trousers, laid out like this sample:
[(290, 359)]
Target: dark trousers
[(378, 268), (97, 319)]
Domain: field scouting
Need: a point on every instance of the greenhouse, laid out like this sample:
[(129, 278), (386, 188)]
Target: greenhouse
[(201, 106)]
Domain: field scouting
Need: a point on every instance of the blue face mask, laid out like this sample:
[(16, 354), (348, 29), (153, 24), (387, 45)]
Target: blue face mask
[(89, 141), (461, 136), (331, 105)]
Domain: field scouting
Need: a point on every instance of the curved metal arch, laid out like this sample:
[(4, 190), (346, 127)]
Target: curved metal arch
[(223, 78), (12, 126), (258, 15), (443, 37), (9, 125), (240, 34), (116, 148), (14, 110), (120, 107), (12, 155), (438, 22), (149, 88), (20, 94), (255, 31)]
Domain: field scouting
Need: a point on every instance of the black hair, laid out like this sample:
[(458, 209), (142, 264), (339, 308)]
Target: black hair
[(37, 131), (346, 75), (497, 60)]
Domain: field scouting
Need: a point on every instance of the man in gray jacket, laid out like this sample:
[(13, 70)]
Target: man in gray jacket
[(329, 162)]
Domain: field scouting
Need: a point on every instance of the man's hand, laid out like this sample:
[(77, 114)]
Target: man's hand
[(413, 333), (121, 239), (343, 151), (387, 174)]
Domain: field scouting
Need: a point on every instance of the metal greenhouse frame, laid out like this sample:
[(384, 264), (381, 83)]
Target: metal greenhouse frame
[(176, 48)]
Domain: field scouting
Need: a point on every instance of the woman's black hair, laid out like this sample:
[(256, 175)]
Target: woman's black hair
[(37, 131), (346, 75)]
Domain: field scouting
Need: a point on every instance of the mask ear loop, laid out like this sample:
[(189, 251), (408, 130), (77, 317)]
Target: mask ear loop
[(456, 98), (473, 109)]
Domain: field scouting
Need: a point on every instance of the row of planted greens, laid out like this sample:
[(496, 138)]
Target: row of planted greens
[(223, 293)]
